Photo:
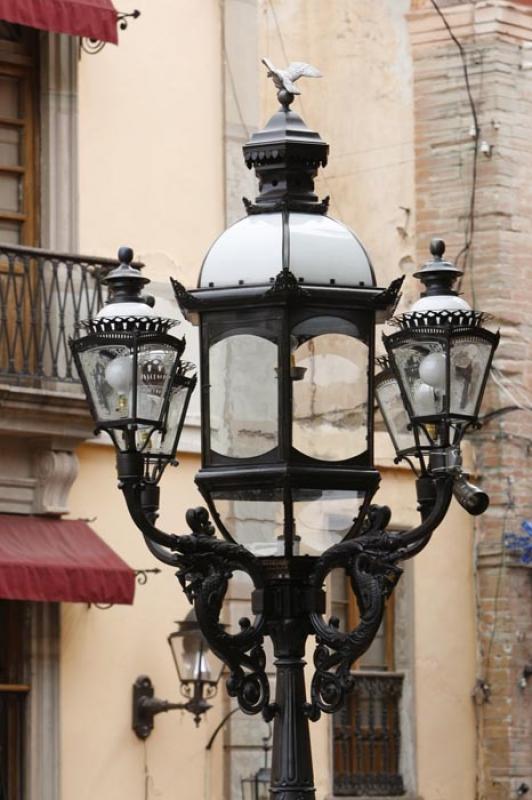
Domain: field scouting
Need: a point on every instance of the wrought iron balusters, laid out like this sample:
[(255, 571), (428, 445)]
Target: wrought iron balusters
[(44, 296)]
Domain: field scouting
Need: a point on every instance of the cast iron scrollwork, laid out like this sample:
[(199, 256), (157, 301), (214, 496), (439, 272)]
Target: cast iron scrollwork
[(373, 578), (205, 565), (205, 581)]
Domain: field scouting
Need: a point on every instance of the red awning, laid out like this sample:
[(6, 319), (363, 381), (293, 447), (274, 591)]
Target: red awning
[(95, 19), (54, 559)]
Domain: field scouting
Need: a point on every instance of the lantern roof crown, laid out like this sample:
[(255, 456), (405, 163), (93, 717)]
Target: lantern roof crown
[(438, 277), (287, 227), (125, 284)]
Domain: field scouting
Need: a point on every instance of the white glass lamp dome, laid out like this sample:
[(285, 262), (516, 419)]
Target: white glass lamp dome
[(322, 252)]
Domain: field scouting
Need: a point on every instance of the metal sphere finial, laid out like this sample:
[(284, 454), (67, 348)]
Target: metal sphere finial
[(437, 248), (125, 255)]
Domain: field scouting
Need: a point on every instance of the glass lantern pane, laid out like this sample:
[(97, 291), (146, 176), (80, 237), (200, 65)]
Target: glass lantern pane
[(323, 517), (108, 370), (422, 366), (394, 413), (263, 784), (155, 370), (193, 657), (254, 518), (195, 660), (329, 390), (243, 396), (164, 442), (469, 361), (249, 788)]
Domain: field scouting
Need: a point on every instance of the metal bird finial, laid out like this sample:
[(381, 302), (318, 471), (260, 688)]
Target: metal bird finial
[(284, 79)]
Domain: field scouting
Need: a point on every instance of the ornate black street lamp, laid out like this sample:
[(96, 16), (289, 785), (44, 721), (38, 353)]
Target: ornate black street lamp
[(198, 671), (287, 306)]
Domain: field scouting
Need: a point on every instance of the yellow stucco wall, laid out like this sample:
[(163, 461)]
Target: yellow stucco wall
[(151, 176), (150, 134), (103, 651)]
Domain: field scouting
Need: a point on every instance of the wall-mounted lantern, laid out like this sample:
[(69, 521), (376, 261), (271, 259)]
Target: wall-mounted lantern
[(198, 671)]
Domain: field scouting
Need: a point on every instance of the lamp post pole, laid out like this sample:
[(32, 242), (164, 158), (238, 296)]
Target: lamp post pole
[(287, 305), (287, 605)]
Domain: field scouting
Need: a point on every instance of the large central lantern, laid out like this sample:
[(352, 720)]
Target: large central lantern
[(287, 303)]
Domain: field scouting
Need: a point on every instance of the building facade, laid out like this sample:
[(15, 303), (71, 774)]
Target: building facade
[(140, 144)]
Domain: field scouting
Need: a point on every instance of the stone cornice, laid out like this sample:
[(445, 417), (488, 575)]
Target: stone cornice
[(509, 21), (61, 418)]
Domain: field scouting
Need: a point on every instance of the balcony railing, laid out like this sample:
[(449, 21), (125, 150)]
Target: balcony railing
[(43, 298), (367, 738)]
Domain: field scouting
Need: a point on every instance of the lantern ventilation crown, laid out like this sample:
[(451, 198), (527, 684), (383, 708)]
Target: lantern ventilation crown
[(286, 154)]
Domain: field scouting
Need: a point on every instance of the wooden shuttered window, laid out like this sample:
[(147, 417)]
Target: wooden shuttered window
[(19, 151), (14, 636)]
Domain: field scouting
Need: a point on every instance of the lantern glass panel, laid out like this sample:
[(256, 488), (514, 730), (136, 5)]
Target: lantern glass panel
[(164, 442), (254, 518), (423, 369), (155, 373), (470, 358), (323, 517), (257, 787), (193, 658), (243, 396), (108, 371), (126, 383), (393, 412), (329, 389)]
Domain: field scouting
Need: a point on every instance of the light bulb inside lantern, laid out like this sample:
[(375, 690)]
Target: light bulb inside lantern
[(424, 400), (432, 370), (118, 374)]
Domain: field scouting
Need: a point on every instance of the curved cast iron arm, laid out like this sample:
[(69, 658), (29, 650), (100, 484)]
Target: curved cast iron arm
[(205, 565), (370, 562), (434, 497)]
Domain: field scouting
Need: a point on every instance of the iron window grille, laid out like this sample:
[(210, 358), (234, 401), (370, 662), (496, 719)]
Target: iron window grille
[(367, 737)]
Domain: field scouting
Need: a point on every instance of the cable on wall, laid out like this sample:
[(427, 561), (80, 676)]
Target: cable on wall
[(464, 254), (323, 176)]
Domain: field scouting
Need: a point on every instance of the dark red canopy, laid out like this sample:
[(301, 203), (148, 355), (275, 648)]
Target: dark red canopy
[(95, 19), (59, 560)]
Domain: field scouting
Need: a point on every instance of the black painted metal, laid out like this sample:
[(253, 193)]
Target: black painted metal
[(126, 281), (288, 603), (437, 275), (283, 469), (286, 156), (367, 738), (146, 706)]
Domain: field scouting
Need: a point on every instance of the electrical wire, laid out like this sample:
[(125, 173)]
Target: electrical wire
[(234, 91), (499, 378), (147, 776), (464, 253), (324, 177), (509, 507)]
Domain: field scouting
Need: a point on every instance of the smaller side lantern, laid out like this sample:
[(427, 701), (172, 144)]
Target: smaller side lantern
[(439, 362), (130, 366)]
